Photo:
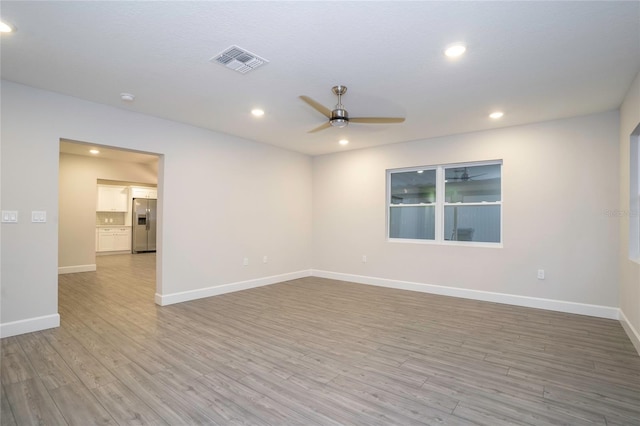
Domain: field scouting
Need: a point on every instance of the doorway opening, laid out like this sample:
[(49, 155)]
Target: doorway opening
[(89, 175)]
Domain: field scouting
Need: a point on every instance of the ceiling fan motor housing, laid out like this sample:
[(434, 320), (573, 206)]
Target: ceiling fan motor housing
[(339, 117)]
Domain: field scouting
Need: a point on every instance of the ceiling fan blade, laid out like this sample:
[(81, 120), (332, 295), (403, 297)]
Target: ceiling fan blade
[(321, 127), (376, 120), (317, 106)]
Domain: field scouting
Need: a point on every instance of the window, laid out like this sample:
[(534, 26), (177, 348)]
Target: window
[(456, 202), (413, 205)]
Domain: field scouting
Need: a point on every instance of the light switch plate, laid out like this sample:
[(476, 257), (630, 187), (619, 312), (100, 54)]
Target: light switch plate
[(38, 216), (9, 216)]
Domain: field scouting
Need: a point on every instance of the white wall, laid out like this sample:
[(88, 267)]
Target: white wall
[(223, 198), (77, 203), (559, 177), (629, 270)]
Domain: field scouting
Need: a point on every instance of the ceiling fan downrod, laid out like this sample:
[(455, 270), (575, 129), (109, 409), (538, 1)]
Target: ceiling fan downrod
[(339, 116)]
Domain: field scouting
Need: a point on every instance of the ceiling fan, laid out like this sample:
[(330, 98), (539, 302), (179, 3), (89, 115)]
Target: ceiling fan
[(339, 116), (463, 175)]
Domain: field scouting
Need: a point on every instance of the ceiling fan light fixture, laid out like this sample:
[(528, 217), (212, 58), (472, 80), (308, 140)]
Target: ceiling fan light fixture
[(339, 122)]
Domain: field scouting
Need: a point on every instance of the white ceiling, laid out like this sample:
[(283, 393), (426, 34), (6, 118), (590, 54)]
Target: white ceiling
[(535, 61)]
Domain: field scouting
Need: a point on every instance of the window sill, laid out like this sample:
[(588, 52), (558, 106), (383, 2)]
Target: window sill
[(446, 243)]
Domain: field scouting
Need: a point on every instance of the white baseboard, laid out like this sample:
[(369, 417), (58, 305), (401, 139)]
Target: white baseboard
[(109, 253), (509, 299), (76, 268), (184, 296), (633, 334), (29, 325)]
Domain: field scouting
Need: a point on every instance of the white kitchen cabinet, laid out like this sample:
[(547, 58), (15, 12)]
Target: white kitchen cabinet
[(114, 239), (112, 198), (144, 192), (123, 239)]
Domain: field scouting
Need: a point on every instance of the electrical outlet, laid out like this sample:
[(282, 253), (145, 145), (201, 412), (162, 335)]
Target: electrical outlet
[(245, 262), (541, 274), (265, 259), (364, 258)]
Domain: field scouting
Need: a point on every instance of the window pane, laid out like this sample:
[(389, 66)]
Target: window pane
[(472, 184), (472, 223), (418, 223), (413, 187)]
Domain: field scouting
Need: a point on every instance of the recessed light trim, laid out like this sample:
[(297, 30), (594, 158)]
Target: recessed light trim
[(496, 114), (257, 112), (94, 151), (6, 28), (343, 142), (127, 97), (455, 50)]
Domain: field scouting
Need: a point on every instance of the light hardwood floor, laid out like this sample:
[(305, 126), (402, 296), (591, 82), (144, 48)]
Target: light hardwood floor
[(311, 351)]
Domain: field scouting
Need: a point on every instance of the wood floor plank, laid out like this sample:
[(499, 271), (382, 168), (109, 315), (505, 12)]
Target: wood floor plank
[(82, 362), (278, 390), (507, 402), (429, 398), (311, 351), (79, 407), (6, 415), (46, 361), (390, 402), (31, 404), (124, 405), (486, 417), (223, 410), (362, 411), (108, 355), (592, 401), (262, 406), (14, 366), (172, 407)]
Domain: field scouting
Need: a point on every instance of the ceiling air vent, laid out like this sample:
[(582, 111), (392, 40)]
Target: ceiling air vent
[(239, 59)]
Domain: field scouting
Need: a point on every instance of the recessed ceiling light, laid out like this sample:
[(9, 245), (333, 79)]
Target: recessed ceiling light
[(94, 151), (420, 171), (496, 115), (343, 142), (127, 97), (257, 112), (6, 28), (455, 50)]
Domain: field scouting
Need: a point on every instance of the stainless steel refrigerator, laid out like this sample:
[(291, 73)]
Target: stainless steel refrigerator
[(143, 225)]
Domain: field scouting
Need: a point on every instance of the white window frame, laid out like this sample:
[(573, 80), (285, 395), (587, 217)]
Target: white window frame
[(440, 205)]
